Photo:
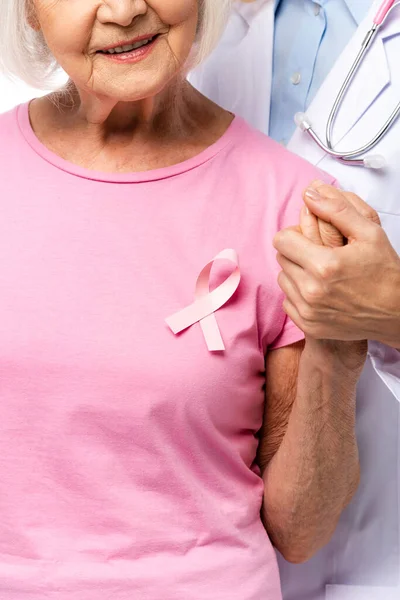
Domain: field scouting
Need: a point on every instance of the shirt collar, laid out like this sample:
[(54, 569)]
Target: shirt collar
[(358, 9)]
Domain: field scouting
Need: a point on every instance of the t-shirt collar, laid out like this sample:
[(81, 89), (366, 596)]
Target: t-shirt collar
[(357, 8)]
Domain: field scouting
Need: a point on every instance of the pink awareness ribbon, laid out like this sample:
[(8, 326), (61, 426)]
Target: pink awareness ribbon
[(207, 302)]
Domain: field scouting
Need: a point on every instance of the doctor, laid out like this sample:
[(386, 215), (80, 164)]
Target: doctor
[(279, 57)]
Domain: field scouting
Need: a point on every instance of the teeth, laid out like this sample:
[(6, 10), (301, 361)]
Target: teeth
[(128, 48)]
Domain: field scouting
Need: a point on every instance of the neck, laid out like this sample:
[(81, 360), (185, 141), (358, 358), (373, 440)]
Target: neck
[(109, 135), (173, 110)]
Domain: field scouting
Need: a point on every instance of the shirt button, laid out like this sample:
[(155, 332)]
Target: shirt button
[(317, 9), (295, 78)]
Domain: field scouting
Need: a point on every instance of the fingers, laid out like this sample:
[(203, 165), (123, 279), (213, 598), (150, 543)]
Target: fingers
[(294, 228), (318, 231), (362, 207), (309, 227), (292, 313), (301, 290), (290, 269), (301, 251), (330, 236), (334, 206), (289, 289), (359, 204)]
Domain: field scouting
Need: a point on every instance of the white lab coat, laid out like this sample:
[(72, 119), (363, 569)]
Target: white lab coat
[(362, 561)]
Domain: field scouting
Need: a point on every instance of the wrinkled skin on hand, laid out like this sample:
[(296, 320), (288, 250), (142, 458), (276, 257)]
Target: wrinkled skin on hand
[(333, 295)]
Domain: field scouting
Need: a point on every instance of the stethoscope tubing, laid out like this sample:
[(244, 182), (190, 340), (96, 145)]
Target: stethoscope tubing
[(354, 157)]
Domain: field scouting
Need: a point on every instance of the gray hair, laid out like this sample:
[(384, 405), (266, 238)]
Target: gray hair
[(24, 54)]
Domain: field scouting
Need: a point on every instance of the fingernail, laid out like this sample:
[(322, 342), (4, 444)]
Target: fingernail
[(304, 210), (313, 195)]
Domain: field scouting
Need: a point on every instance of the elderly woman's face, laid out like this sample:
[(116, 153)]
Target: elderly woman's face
[(126, 49)]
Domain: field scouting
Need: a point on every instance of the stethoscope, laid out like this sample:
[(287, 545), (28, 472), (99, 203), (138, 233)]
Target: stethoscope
[(354, 158)]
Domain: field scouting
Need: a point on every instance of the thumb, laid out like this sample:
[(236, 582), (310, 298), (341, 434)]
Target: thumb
[(331, 205)]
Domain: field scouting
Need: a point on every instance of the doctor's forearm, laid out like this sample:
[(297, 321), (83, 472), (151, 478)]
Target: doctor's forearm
[(315, 472)]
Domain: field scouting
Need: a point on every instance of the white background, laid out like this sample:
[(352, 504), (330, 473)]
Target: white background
[(12, 94)]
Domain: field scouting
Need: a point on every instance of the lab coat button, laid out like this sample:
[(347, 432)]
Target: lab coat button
[(295, 78)]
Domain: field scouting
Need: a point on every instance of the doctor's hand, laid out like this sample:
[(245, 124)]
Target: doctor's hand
[(349, 292)]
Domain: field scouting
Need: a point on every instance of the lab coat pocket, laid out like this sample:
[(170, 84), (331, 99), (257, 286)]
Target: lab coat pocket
[(360, 592)]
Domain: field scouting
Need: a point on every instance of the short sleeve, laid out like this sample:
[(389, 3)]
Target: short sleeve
[(277, 329), (289, 334)]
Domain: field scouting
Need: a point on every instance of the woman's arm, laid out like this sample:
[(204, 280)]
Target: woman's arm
[(308, 450)]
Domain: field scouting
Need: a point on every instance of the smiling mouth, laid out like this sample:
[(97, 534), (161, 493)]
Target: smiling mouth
[(125, 49)]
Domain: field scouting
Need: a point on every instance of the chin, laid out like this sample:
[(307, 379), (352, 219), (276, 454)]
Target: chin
[(134, 91)]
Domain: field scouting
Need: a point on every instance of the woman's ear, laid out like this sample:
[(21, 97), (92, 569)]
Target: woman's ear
[(31, 15)]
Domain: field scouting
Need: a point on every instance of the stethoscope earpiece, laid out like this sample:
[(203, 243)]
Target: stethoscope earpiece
[(375, 161)]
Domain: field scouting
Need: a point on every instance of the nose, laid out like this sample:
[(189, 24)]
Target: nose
[(121, 12)]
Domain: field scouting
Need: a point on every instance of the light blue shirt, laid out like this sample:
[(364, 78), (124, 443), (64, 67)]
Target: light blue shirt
[(309, 37)]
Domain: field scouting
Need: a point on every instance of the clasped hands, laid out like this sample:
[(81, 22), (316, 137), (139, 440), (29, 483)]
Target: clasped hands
[(340, 274)]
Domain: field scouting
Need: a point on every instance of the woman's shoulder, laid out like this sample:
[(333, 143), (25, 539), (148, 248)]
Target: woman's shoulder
[(264, 156)]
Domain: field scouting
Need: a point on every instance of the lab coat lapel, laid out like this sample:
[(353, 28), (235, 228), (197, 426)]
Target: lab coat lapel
[(251, 84), (369, 82)]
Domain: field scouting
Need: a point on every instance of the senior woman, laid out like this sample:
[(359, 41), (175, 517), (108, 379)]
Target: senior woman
[(132, 397)]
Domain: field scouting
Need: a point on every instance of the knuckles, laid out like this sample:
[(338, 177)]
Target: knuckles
[(328, 269), (377, 236), (371, 215), (313, 292)]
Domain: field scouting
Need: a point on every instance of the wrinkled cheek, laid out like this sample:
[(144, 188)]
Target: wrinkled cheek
[(182, 18), (69, 38), (82, 72), (175, 12), (66, 27), (181, 39)]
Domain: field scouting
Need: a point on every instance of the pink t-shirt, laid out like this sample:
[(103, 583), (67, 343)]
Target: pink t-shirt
[(127, 452)]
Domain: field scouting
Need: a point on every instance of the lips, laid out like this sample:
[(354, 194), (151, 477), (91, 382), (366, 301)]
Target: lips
[(129, 46)]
